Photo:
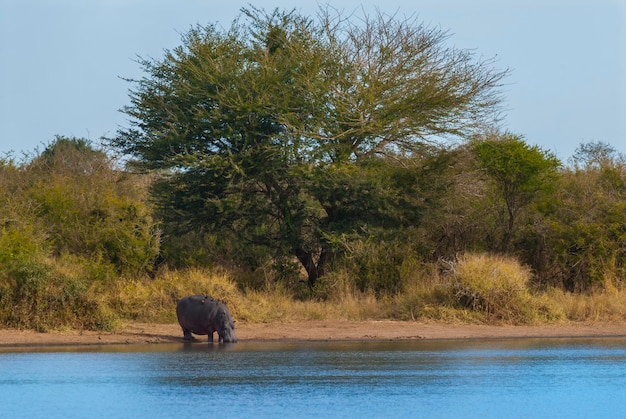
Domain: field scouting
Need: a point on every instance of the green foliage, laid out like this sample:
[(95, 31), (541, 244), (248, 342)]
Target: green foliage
[(39, 294), (579, 242), (69, 221), (281, 132), (21, 233), (376, 265), (90, 208), (521, 173), (451, 204)]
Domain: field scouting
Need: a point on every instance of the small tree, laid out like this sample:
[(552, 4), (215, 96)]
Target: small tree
[(520, 174), (597, 154)]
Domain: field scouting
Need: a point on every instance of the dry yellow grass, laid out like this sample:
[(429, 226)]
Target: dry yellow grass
[(149, 299), (480, 288), (477, 288), (600, 305)]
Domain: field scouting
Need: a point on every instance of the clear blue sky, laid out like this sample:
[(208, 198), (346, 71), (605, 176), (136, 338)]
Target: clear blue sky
[(61, 61)]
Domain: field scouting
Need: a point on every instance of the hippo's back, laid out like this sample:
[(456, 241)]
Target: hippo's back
[(194, 313)]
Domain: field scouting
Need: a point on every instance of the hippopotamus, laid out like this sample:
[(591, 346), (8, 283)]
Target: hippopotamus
[(202, 315)]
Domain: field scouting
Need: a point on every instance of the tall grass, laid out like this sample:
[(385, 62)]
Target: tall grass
[(153, 300), (478, 288)]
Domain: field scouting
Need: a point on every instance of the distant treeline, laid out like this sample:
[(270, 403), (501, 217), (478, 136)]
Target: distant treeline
[(75, 225)]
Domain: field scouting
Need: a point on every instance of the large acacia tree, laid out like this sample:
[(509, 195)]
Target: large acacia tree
[(278, 129)]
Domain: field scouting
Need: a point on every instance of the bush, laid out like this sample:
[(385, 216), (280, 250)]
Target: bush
[(580, 238), (493, 285), (379, 265), (89, 208), (38, 294)]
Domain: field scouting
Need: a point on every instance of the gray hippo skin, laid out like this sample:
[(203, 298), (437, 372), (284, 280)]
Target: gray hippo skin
[(202, 315)]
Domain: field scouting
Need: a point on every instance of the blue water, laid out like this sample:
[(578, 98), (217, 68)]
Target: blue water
[(487, 378)]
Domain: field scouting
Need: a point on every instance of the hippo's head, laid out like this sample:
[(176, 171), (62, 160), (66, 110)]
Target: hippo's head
[(226, 327)]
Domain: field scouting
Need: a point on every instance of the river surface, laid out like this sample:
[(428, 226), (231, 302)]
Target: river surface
[(442, 379)]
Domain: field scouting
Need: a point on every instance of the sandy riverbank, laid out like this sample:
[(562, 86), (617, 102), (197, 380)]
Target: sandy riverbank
[(134, 333)]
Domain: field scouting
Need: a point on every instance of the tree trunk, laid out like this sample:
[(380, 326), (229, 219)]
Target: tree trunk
[(306, 259), (508, 235), (314, 271)]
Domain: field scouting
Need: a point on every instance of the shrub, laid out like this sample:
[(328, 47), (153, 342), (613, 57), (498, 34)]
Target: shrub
[(379, 265), (580, 238), (38, 294), (493, 285), (89, 208)]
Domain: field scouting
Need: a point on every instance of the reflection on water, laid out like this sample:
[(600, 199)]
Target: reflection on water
[(487, 378)]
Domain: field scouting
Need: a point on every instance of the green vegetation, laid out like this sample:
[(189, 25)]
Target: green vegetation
[(281, 134), (297, 169)]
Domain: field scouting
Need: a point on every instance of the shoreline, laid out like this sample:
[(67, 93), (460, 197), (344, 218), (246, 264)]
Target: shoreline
[(302, 331)]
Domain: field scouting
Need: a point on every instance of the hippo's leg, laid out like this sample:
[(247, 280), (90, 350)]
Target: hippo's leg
[(210, 337), (187, 334)]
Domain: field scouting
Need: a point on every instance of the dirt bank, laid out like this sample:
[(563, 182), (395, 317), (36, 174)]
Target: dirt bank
[(314, 330)]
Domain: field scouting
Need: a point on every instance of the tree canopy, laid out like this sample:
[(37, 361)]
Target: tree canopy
[(520, 173), (285, 131)]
